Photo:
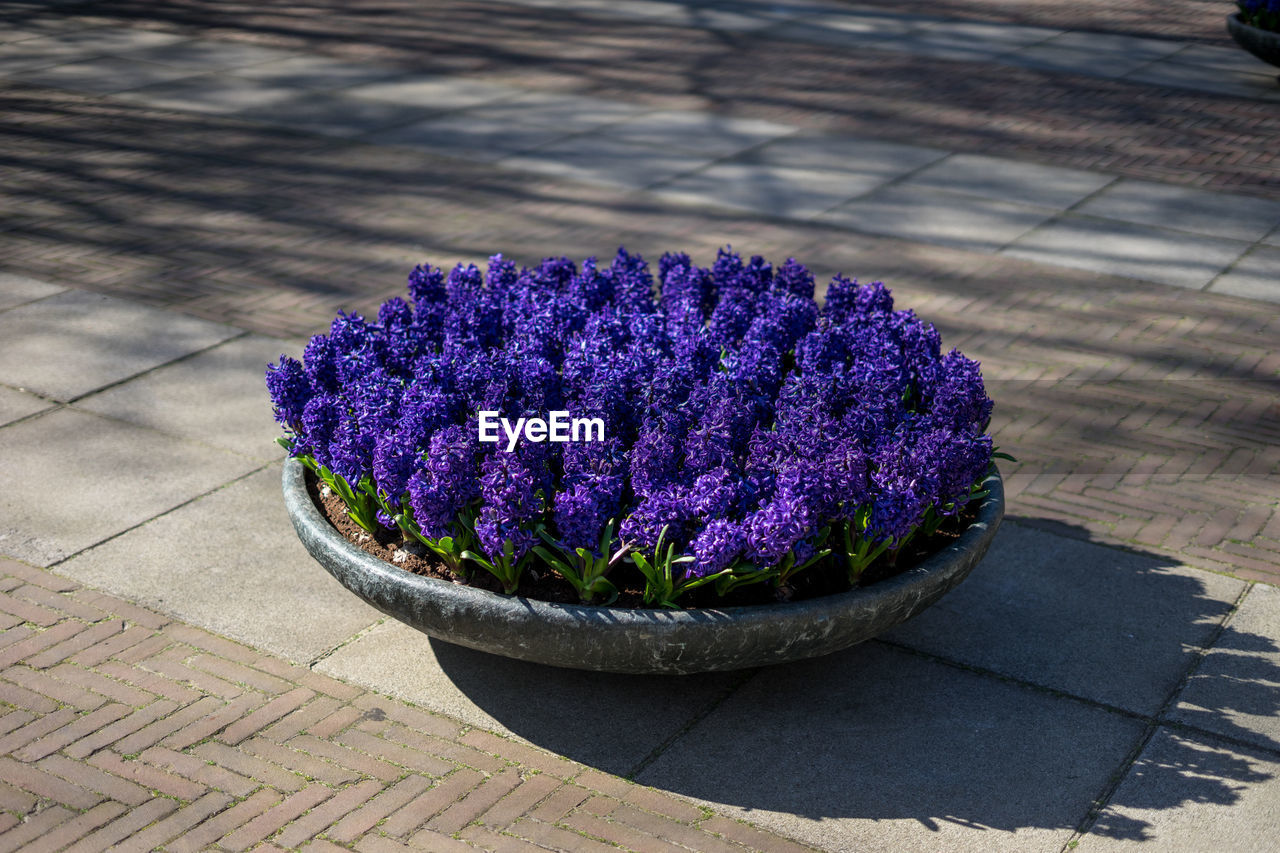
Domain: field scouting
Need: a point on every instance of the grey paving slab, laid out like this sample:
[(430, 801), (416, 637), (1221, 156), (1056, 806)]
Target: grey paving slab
[(944, 219), (1240, 83), (861, 22), (468, 136), (105, 74), (845, 154), (572, 113), (112, 39), (18, 289), (8, 35), (697, 133), (1096, 622), (217, 94), (1131, 251), (209, 54), (1255, 276), (315, 73), (434, 91), (611, 162), (1209, 56), (1009, 180), (41, 52), (940, 45), (1272, 239), (607, 721), (1051, 56), (74, 342), (217, 397), (230, 562), (1190, 795), (988, 33), (16, 404), (769, 190), (332, 114), (1186, 209), (874, 749), (1236, 689), (73, 479)]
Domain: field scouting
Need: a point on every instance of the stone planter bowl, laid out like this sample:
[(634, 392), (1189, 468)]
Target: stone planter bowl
[(638, 641), (1263, 44)]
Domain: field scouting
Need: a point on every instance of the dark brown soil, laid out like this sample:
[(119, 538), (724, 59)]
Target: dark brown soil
[(824, 578)]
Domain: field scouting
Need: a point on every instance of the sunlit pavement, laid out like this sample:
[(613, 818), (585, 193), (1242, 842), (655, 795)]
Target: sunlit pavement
[(189, 190)]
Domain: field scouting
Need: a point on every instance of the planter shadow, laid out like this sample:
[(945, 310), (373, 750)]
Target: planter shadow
[(639, 641)]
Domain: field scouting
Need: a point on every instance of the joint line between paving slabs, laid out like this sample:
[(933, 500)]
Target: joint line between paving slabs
[(1117, 778), (698, 717), (171, 509), (240, 333)]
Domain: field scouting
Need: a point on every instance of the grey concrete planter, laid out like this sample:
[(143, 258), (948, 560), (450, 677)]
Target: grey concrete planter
[(638, 641), (1263, 44)]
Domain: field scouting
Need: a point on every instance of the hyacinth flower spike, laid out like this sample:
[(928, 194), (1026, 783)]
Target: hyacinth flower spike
[(585, 571)]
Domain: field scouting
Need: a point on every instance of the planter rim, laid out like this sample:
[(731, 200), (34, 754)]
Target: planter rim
[(614, 639)]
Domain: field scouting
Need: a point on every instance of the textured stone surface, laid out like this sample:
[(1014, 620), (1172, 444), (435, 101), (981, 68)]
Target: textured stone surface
[(1236, 689), (1061, 612), (1188, 794), (17, 289), (230, 562), (74, 479), (73, 343), (876, 749), (218, 397)]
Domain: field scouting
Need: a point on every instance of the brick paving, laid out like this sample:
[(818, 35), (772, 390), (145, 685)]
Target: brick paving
[(1142, 415), (275, 232), (1140, 131), (122, 729)]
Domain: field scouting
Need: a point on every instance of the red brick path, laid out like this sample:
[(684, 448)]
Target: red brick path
[(123, 730)]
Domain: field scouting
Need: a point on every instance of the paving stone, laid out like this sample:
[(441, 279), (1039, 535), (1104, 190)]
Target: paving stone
[(74, 479), (1259, 84), (106, 74), (75, 342), (944, 219), (1211, 56), (988, 33), (846, 154), (1185, 209), (111, 39), (19, 289), (877, 749), (697, 133), (1236, 689), (230, 562), (1187, 794), (18, 404), (1050, 56), (468, 136), (209, 55), (1097, 622), (571, 113), (602, 160), (1009, 180), (218, 397), (208, 93), (41, 52), (616, 720), (315, 72), (436, 92), (768, 190), (1255, 276), (1132, 251), (332, 114)]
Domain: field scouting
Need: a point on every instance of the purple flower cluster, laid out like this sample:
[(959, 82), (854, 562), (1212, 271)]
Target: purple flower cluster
[(743, 421)]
